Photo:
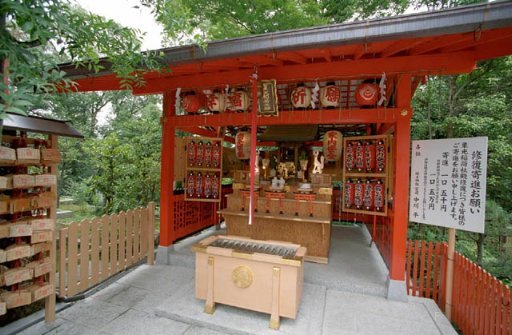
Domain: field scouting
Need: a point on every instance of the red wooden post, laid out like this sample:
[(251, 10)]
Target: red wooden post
[(254, 131), (401, 184), (167, 233)]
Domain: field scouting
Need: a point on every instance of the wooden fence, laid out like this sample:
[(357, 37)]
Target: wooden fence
[(481, 304), (91, 251)]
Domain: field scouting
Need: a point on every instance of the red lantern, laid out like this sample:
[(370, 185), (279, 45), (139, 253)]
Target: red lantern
[(349, 193), (330, 95), (215, 186), (332, 145), (243, 145), (367, 94), (368, 195), (191, 153), (378, 197), (349, 157), (380, 156), (369, 156), (191, 103), (200, 154), (191, 185), (358, 194), (216, 154), (359, 157), (301, 97)]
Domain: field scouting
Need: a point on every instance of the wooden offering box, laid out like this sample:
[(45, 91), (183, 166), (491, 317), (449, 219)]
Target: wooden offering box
[(263, 276)]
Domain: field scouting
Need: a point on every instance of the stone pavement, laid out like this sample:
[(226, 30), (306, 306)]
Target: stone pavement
[(160, 300)]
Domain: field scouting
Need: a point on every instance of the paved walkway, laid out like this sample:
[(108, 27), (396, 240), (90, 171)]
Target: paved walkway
[(160, 300)]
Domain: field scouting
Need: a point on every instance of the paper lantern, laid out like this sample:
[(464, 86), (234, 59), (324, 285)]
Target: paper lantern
[(301, 97), (330, 95), (367, 94), (191, 103), (216, 102), (243, 145), (333, 142), (239, 100)]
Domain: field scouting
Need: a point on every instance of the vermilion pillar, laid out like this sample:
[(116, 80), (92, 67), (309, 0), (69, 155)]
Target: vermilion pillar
[(167, 235), (396, 288)]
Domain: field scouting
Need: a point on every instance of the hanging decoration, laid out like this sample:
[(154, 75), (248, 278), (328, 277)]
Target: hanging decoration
[(239, 100), (349, 193), (301, 96), (367, 94), (359, 160), (358, 194), (378, 195), (177, 102), (333, 143), (330, 95), (369, 156), (349, 157), (191, 103), (368, 195), (215, 101), (314, 95), (380, 156), (243, 145), (382, 87)]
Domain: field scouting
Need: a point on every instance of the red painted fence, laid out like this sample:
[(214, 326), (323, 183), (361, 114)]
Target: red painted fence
[(481, 303)]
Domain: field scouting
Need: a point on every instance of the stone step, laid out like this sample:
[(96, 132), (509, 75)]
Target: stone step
[(62, 214), (66, 201)]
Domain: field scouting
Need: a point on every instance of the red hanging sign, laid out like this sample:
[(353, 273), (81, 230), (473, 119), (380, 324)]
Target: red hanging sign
[(381, 156), (358, 194), (207, 186), (359, 156), (368, 195), (378, 196), (349, 157), (369, 156), (199, 185), (191, 186), (200, 154), (215, 186), (216, 154), (191, 153), (208, 154)]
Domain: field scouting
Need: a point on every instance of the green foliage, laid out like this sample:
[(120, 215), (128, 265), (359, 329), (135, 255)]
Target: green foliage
[(36, 35)]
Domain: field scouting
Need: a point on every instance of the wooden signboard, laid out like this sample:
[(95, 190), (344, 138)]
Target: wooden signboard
[(267, 98)]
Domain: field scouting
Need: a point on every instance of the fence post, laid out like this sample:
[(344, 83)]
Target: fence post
[(151, 233)]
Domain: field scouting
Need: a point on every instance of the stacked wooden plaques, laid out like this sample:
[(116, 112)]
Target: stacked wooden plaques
[(27, 193)]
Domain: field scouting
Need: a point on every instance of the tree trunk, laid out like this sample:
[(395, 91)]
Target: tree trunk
[(480, 249)]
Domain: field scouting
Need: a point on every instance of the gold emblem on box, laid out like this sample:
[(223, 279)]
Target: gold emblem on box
[(242, 276)]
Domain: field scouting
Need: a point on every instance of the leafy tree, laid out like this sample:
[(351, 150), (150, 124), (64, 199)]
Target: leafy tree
[(36, 35)]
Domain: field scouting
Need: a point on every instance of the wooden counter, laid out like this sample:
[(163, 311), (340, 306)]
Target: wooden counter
[(312, 232)]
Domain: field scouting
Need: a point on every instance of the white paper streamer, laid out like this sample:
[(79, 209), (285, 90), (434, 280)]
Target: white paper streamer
[(314, 95), (382, 86), (177, 103)]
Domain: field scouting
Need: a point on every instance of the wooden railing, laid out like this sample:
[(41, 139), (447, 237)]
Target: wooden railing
[(91, 251), (481, 304)]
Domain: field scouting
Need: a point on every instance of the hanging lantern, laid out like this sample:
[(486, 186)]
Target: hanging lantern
[(216, 154), (330, 95), (367, 94), (378, 196), (359, 159), (369, 156), (243, 145), (215, 187), (191, 184), (333, 142), (216, 102), (349, 193), (349, 157), (368, 195), (191, 103), (199, 185), (380, 156), (207, 186), (239, 100), (301, 97), (200, 154)]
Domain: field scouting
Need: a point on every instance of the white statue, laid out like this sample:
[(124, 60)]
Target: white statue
[(318, 162)]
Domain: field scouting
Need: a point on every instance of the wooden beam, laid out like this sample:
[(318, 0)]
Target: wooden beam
[(462, 62), (360, 51), (437, 43), (400, 46), (326, 116), (476, 40), (292, 57)]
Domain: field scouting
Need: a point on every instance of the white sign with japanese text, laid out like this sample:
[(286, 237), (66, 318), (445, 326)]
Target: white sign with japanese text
[(448, 180)]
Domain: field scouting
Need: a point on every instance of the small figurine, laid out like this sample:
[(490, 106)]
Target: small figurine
[(318, 162)]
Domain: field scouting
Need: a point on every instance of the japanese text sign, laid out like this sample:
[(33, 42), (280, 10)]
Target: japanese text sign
[(448, 182)]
